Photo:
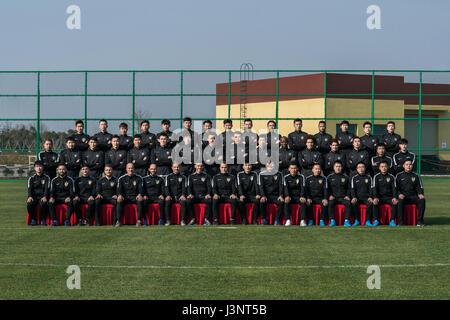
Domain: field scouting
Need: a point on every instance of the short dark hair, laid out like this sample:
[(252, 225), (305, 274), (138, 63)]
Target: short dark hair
[(403, 141), (383, 161), (333, 141), (293, 163), (271, 121), (298, 120), (187, 119), (207, 121), (103, 120), (123, 125), (338, 161), (144, 121), (360, 162), (390, 122), (356, 138), (344, 122), (380, 145), (310, 137), (367, 123), (38, 163), (248, 120), (163, 134), (115, 137), (93, 139), (48, 139), (70, 138), (137, 136), (322, 121), (79, 121), (227, 121), (165, 121)]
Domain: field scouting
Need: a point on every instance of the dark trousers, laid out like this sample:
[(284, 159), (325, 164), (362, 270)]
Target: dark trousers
[(199, 199), (224, 199), (52, 207), (31, 208), (376, 208), (160, 203), (369, 210), (98, 208), (323, 208), (273, 200), (121, 206), (420, 203), (242, 207), (303, 212), (332, 203), (90, 210), (168, 208)]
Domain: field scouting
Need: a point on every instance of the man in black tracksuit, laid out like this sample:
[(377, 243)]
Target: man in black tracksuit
[(403, 155), (71, 158), (381, 156), (165, 126), (271, 191), (248, 192), (391, 139), (410, 190), (297, 139), (161, 155), (339, 193), (38, 193), (295, 193), (94, 158), (272, 137), (211, 160), (49, 159), (286, 156), (317, 193), (130, 190), (154, 192), (333, 156), (116, 158), (384, 190), (356, 156), (345, 138), (368, 141), (106, 189), (81, 139), (103, 137), (361, 192), (239, 154), (85, 193), (125, 141), (322, 139), (175, 192), (199, 190), (148, 139), (224, 191), (308, 157), (139, 156), (62, 191)]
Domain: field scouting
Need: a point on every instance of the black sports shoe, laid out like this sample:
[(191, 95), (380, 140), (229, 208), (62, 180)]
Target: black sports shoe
[(244, 221), (216, 222), (232, 222), (421, 224)]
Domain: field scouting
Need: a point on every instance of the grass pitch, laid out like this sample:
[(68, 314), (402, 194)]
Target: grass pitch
[(247, 262)]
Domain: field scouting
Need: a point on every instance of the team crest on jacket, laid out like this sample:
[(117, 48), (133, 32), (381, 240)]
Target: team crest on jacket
[(366, 180), (251, 178), (97, 155), (203, 179), (320, 181), (75, 155), (228, 179), (66, 184), (342, 180), (54, 158), (157, 181), (413, 179), (388, 179), (83, 139), (89, 182), (111, 184), (180, 179), (143, 153), (297, 181), (120, 154), (134, 183), (275, 178), (43, 181)]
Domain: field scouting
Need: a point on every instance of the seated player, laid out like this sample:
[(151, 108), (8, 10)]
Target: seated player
[(297, 139), (345, 138), (384, 191), (270, 183), (62, 192), (286, 156), (391, 139), (356, 156), (317, 193), (129, 191), (116, 158), (139, 156), (71, 159), (224, 191), (295, 193), (125, 141), (199, 190), (403, 155), (94, 158), (148, 139), (49, 158), (361, 192), (161, 155), (175, 192), (106, 193), (248, 192), (333, 156), (154, 192), (81, 139), (38, 193), (338, 193), (103, 137), (410, 190), (308, 157), (381, 156), (85, 193)]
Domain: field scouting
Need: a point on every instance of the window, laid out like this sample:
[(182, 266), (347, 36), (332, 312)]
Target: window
[(351, 128)]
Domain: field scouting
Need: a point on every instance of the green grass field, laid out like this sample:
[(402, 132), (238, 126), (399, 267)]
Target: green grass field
[(248, 262)]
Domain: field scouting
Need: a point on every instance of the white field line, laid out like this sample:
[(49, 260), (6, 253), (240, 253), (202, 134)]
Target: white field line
[(17, 264)]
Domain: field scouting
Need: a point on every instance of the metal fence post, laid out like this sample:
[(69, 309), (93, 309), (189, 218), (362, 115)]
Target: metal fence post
[(325, 98), (373, 102), (133, 106), (229, 96), (419, 135), (277, 98), (85, 102), (38, 115), (181, 99)]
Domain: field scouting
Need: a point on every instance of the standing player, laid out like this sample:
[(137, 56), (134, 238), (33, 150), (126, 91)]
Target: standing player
[(381, 156), (270, 183), (323, 139), (410, 190), (81, 139), (338, 193), (297, 138), (154, 192), (368, 141), (272, 138), (384, 191), (295, 193), (139, 156), (345, 138), (286, 156), (71, 159), (250, 137), (224, 191), (148, 139), (161, 155), (94, 158), (106, 193), (125, 141), (85, 193), (129, 191), (361, 192), (175, 191), (356, 156), (391, 139), (165, 126), (103, 137), (62, 192), (49, 159), (308, 157), (317, 193), (116, 158), (333, 156), (38, 193), (199, 190), (403, 155), (248, 192), (211, 160)]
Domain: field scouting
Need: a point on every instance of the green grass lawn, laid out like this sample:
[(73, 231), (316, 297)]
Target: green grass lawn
[(249, 262)]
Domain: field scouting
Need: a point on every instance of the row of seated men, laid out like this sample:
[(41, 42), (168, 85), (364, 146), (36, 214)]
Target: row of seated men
[(306, 150), (266, 187)]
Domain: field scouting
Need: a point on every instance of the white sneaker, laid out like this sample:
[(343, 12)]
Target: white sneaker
[(303, 223), (288, 222)]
